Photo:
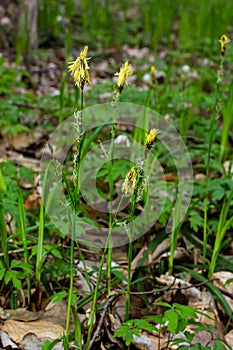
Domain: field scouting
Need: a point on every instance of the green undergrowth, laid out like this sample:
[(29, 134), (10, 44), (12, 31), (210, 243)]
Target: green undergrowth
[(39, 260)]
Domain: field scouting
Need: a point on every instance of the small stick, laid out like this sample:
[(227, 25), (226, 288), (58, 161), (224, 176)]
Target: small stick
[(105, 309), (174, 288)]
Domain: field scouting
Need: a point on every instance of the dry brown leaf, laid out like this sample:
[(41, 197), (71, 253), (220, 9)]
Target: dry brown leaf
[(200, 177), (28, 162), (192, 293), (222, 277), (228, 166), (6, 341), (148, 342), (42, 329), (19, 141), (22, 314), (31, 342), (229, 338), (33, 201)]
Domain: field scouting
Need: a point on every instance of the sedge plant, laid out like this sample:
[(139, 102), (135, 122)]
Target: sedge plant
[(123, 74), (134, 186), (224, 40), (79, 70)]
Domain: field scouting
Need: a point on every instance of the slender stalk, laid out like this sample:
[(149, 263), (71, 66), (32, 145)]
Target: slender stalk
[(87, 278), (76, 203), (127, 296), (223, 225), (70, 296), (175, 229), (39, 256), (130, 248), (81, 106), (92, 318), (206, 200), (91, 321), (111, 190), (3, 233), (22, 223)]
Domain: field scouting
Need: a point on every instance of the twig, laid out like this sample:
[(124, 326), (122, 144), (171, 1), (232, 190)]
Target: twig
[(20, 250), (105, 309), (27, 105), (165, 289), (225, 292)]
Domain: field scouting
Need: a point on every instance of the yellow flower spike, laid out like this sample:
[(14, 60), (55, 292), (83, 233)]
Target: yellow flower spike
[(224, 40), (153, 76), (79, 69), (130, 182), (125, 71), (150, 138)]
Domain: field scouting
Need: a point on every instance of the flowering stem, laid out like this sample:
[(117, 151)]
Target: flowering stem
[(127, 296), (81, 107), (130, 249), (71, 280), (110, 166), (206, 200), (91, 320)]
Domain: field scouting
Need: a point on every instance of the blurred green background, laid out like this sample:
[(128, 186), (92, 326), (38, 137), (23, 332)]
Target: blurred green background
[(186, 25)]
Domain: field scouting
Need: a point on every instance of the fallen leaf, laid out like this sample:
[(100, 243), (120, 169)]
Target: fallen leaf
[(220, 282), (7, 343), (22, 314), (229, 338), (42, 329)]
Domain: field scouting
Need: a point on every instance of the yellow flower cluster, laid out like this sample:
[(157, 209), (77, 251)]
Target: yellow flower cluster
[(153, 76), (224, 40), (130, 182), (79, 69), (125, 71), (150, 138)]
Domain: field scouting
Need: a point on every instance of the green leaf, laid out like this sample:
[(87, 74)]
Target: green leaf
[(229, 281), (196, 221), (56, 253), (172, 318), (119, 275), (163, 303), (2, 183), (8, 276), (218, 345), (59, 296), (144, 324), (16, 282), (189, 336), (185, 311), (15, 263), (2, 273)]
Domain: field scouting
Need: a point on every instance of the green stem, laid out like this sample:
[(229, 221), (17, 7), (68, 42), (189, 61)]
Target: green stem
[(3, 233), (39, 257), (92, 318), (111, 190), (73, 228), (22, 223), (206, 200), (127, 297), (70, 296)]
